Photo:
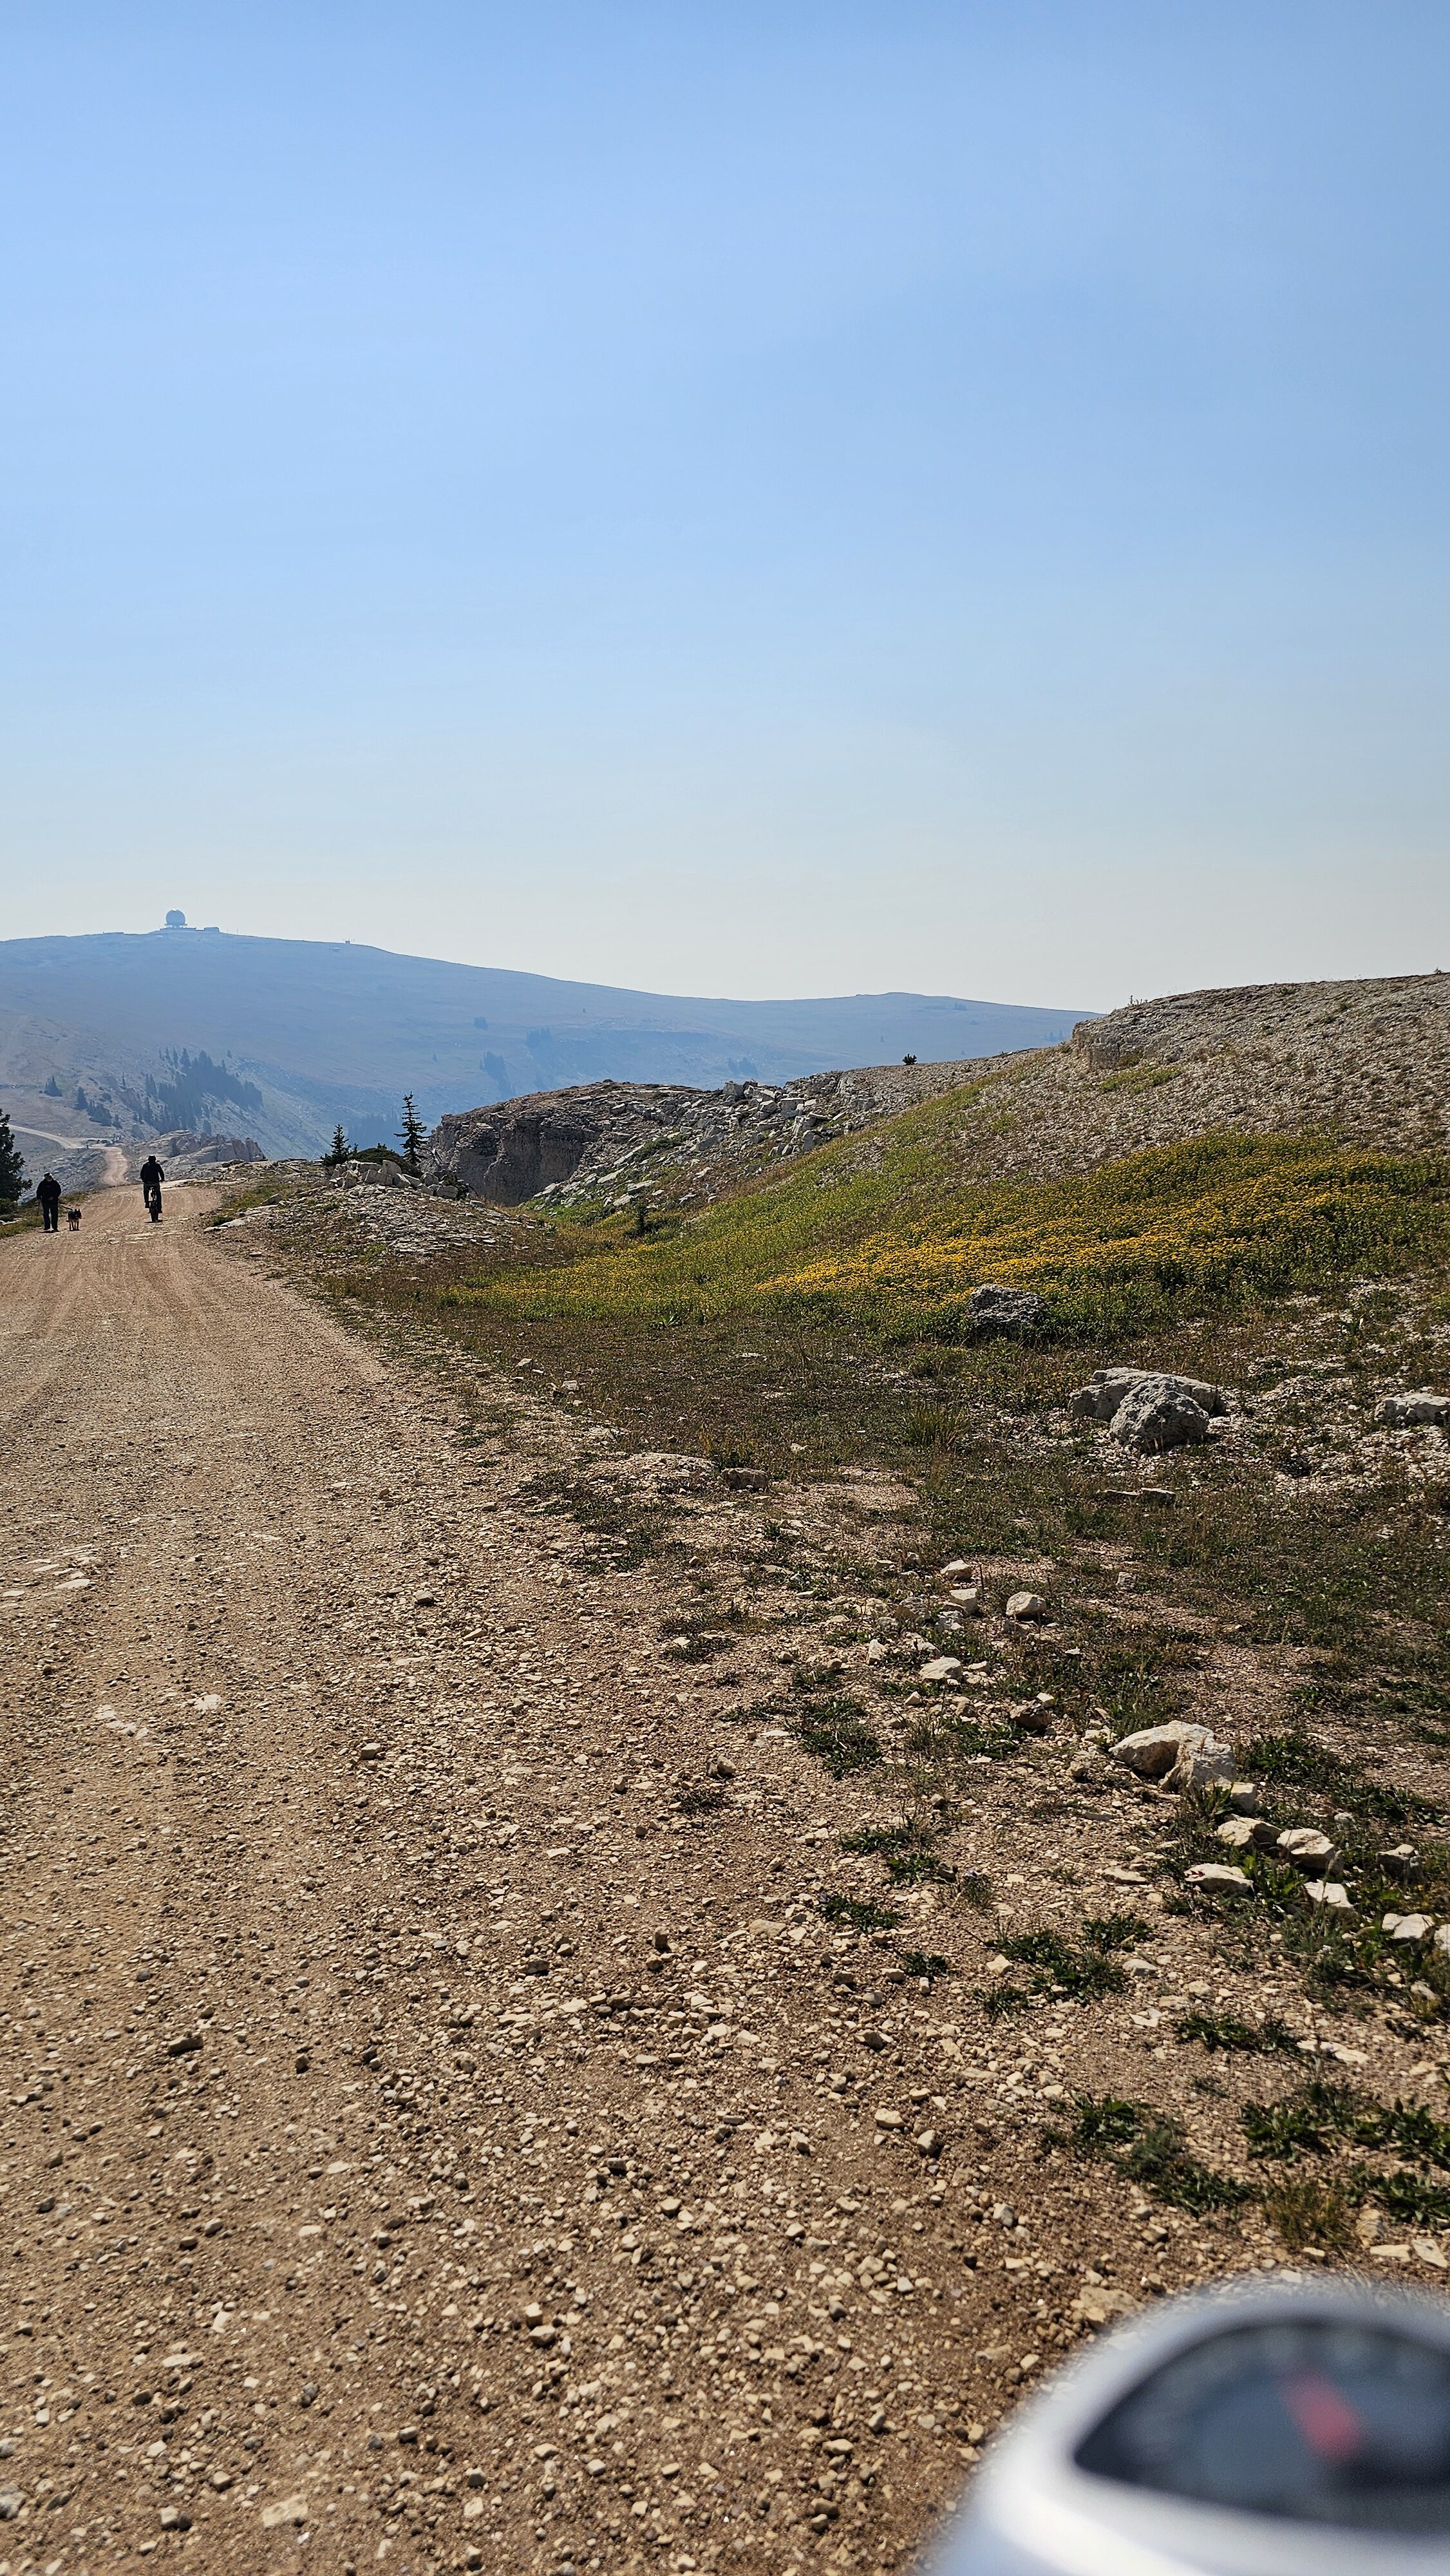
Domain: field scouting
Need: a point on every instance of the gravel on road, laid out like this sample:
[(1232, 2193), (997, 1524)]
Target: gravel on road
[(425, 2139)]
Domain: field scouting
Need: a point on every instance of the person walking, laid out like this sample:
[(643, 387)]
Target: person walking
[(47, 1190), (152, 1177)]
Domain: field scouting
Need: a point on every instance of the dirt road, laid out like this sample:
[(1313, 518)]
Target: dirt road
[(418, 2145)]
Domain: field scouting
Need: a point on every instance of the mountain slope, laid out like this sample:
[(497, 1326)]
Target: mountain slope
[(300, 1033), (1251, 1140)]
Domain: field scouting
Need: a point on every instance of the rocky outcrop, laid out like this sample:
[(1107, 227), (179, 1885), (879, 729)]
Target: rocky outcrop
[(609, 1143), (184, 1154), (518, 1148)]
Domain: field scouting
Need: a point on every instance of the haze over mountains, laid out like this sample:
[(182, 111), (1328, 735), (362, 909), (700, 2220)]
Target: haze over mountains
[(119, 1034)]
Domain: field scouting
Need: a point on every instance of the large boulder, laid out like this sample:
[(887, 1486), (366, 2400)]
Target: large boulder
[(1408, 1412), (1008, 1311), (1155, 1415), (1107, 1389)]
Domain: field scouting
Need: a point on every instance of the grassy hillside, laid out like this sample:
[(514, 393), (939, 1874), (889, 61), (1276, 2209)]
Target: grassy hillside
[(1212, 1149), (895, 1242)]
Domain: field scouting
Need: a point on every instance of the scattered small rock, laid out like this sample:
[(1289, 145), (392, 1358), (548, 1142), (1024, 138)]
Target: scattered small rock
[(1239, 1833), (967, 1597), (1108, 1390), (1216, 1878), (1402, 1863), (1411, 1929), (1305, 1848), (1026, 1605), (1178, 1751), (1332, 1896)]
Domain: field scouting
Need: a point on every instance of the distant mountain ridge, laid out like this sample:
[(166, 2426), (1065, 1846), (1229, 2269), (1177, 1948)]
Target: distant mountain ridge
[(295, 1035)]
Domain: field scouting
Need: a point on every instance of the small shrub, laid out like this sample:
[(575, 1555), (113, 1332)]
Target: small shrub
[(703, 1799)]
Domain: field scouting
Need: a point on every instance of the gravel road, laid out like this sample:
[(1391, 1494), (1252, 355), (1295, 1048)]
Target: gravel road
[(419, 2139)]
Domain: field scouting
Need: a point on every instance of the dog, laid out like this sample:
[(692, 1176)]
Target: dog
[(73, 1220)]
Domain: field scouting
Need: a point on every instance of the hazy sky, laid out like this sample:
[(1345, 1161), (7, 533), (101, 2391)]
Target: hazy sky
[(797, 497)]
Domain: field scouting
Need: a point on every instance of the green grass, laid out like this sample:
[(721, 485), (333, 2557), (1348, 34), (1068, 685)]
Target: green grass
[(1307, 2211), (1297, 1760), (858, 1911), (1314, 2120), (21, 1220)]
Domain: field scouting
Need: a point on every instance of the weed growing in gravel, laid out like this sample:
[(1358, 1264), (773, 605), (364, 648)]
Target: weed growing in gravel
[(836, 1732), (998, 2002), (702, 1799), (1405, 2196), (858, 1911), (1309, 2212), (907, 1851), (1312, 2120), (926, 1964), (1058, 1968), (1152, 2151), (1299, 1761), (1223, 2030)]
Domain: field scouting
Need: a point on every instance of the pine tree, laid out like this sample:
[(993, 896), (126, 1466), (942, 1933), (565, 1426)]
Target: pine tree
[(338, 1150), (412, 1136), (12, 1166)]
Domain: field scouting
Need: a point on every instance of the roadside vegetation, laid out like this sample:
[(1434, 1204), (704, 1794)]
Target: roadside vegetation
[(814, 1327), (887, 1242)]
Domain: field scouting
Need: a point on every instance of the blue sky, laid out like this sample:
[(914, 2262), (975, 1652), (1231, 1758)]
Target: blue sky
[(757, 499)]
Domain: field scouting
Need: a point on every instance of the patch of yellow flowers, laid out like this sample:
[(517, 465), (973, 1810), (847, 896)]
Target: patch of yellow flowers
[(1204, 1216)]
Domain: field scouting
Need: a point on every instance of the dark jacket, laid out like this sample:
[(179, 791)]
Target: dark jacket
[(48, 1190), (152, 1174)]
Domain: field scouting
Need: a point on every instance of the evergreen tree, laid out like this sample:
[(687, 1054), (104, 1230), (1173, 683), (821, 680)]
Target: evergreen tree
[(412, 1136), (12, 1166), (337, 1151)]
